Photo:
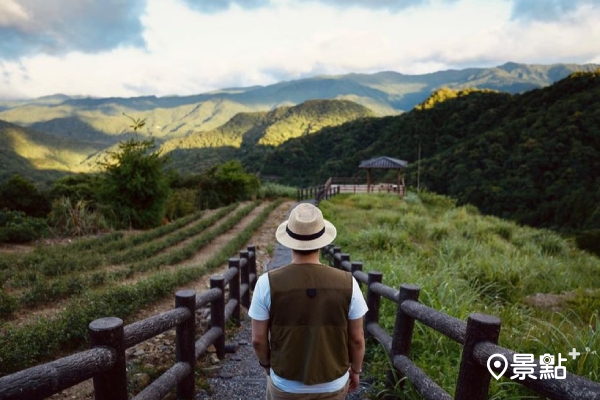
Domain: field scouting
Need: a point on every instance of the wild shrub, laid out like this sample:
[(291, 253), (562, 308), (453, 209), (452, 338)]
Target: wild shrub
[(20, 194), (75, 218), (181, 202), (134, 186), (17, 227), (8, 304)]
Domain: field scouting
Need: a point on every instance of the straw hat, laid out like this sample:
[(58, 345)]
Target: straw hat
[(306, 229)]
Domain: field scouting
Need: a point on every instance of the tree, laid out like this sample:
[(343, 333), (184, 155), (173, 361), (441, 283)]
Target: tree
[(20, 194), (135, 186)]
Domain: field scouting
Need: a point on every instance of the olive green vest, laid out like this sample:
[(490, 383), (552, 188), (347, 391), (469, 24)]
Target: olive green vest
[(309, 322)]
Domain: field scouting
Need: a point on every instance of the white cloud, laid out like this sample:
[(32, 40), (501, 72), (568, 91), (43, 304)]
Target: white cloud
[(189, 52), (12, 14)]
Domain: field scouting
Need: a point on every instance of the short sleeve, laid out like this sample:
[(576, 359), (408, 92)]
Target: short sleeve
[(358, 305), (261, 299)]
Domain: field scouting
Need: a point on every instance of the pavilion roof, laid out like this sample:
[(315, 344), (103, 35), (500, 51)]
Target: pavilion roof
[(384, 163)]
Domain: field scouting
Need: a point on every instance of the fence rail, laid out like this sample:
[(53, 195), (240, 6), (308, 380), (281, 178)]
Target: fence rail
[(478, 335), (106, 363), (318, 193), (335, 186)]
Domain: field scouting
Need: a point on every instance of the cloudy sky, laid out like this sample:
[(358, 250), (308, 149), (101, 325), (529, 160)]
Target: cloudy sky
[(180, 47)]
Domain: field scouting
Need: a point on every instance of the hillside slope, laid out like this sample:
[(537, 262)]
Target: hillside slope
[(534, 157), (38, 155)]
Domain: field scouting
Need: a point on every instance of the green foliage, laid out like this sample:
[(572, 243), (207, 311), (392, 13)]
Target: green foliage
[(16, 227), (443, 94), (467, 263), (222, 184), (272, 190), (181, 202), (8, 304), (589, 240), (76, 187), (75, 218), (135, 187), (20, 194)]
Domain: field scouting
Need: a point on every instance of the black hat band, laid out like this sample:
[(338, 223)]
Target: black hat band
[(305, 237)]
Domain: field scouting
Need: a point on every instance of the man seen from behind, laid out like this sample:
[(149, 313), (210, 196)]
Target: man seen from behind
[(307, 318)]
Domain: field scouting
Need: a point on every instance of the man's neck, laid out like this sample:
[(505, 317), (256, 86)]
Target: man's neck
[(312, 258)]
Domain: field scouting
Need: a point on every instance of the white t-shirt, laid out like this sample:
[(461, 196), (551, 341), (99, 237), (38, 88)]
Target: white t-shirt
[(259, 310)]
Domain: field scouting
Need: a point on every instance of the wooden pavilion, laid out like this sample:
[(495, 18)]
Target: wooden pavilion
[(385, 163)]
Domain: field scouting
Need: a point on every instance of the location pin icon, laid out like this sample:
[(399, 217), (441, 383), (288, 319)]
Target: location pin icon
[(497, 364)]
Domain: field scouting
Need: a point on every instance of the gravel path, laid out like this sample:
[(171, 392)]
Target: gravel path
[(240, 377)]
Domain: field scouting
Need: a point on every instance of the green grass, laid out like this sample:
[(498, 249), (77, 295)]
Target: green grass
[(464, 263)]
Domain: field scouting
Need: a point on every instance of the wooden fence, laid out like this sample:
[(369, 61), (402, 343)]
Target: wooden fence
[(478, 335), (105, 361), (318, 193), (335, 186)]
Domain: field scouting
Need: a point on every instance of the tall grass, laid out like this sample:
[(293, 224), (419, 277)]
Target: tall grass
[(464, 263), (272, 190)]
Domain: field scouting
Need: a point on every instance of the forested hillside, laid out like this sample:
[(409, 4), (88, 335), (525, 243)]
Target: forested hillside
[(251, 135), (534, 157)]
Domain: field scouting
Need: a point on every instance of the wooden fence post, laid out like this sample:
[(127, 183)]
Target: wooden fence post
[(336, 261), (403, 328), (373, 299), (344, 257), (252, 264), (474, 379), (356, 266), (217, 313), (245, 277), (112, 384), (185, 345), (234, 290)]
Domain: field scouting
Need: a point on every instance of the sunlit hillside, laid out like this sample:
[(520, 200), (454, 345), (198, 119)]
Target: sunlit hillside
[(30, 153)]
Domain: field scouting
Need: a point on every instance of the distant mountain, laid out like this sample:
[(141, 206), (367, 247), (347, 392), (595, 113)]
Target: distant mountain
[(252, 133), (39, 156), (385, 93), (104, 121), (25, 151), (533, 157)]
